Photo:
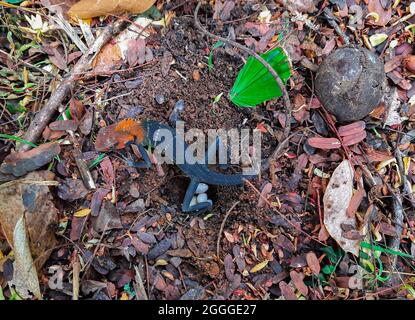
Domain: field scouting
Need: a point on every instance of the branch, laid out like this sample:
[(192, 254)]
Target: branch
[(45, 114)]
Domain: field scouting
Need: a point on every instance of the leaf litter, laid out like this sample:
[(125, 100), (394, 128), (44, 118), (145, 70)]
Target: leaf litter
[(299, 232)]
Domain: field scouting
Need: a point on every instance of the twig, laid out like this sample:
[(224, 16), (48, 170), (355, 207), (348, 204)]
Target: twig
[(76, 269), (332, 21), (222, 226), (65, 87), (139, 289), (277, 78)]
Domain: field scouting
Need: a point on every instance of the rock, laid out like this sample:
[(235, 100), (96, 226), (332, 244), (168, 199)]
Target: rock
[(350, 83), (202, 198), (202, 188)]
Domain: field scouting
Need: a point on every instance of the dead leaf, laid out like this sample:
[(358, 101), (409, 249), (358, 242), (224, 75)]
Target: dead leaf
[(72, 189), (136, 52), (336, 200), (297, 279), (63, 125), (304, 6), (24, 272), (109, 58), (182, 253), (229, 267), (31, 200), (259, 266), (76, 108), (97, 199), (262, 201), (324, 143), (107, 219), (384, 14), (86, 9), (287, 292), (313, 262), (20, 163)]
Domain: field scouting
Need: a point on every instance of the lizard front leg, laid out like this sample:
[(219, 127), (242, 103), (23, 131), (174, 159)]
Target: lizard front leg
[(146, 163), (187, 205)]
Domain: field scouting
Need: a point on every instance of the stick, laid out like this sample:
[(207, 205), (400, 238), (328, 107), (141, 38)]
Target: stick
[(277, 78), (222, 226), (43, 117)]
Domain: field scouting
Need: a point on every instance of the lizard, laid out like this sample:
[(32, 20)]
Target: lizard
[(147, 133)]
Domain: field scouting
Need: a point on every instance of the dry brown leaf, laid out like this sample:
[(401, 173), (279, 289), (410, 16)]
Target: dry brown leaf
[(27, 216), (384, 15), (20, 163), (324, 143), (313, 262), (336, 200), (109, 58), (86, 9), (297, 279)]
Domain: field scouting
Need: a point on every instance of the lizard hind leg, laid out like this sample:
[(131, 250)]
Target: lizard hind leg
[(188, 206)]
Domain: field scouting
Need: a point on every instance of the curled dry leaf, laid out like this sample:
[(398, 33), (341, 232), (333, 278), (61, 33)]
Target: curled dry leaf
[(20, 163), (86, 9), (336, 200)]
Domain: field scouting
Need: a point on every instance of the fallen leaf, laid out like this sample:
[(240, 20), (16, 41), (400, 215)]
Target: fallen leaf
[(287, 292), (24, 273), (86, 9), (109, 58), (324, 143), (336, 200), (29, 198), (297, 279), (384, 15), (107, 219), (63, 125), (259, 266), (182, 253), (20, 163), (229, 267), (262, 201), (82, 213), (72, 189), (313, 263)]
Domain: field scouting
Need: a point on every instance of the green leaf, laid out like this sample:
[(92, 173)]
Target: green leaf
[(255, 84), (7, 136), (367, 245), (331, 254), (14, 1), (217, 44), (328, 269)]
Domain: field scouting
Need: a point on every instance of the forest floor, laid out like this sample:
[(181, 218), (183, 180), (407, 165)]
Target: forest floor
[(121, 234)]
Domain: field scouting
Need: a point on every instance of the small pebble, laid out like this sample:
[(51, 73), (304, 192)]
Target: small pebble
[(133, 84), (196, 75), (202, 198), (202, 188), (179, 106), (160, 98), (193, 202)]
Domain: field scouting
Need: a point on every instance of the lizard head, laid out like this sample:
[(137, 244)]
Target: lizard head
[(118, 135)]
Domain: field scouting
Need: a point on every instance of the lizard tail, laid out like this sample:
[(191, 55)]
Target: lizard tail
[(216, 178)]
